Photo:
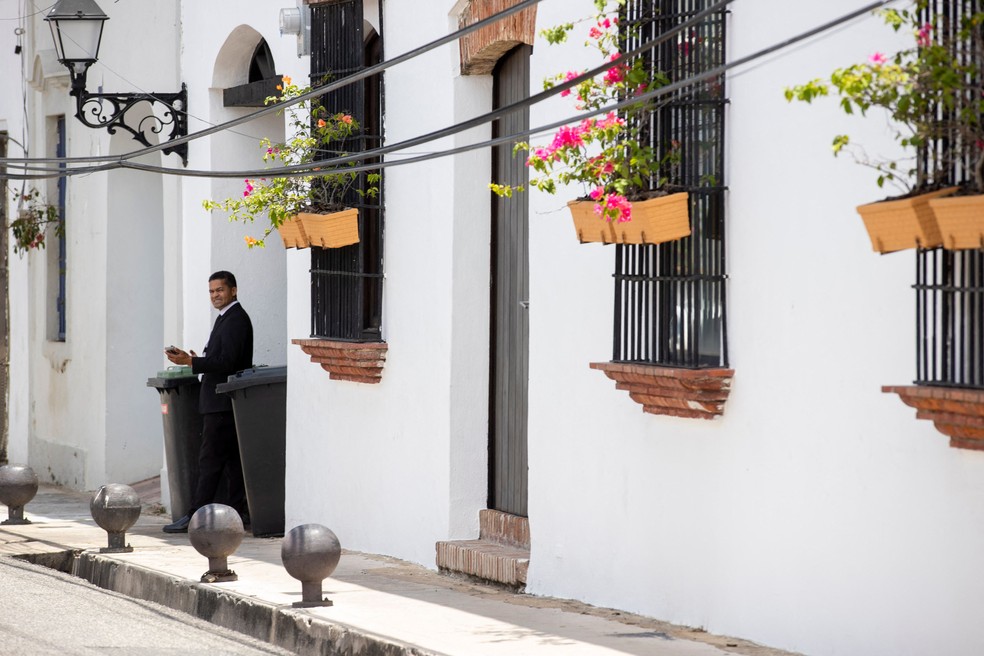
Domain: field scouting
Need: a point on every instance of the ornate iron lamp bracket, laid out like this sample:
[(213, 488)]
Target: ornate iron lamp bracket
[(168, 117)]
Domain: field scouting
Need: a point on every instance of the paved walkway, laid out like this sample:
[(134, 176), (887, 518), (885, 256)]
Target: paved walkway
[(382, 606)]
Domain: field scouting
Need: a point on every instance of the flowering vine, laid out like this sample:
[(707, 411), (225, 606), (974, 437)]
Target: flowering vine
[(932, 90), (608, 155), (315, 132), (34, 216)]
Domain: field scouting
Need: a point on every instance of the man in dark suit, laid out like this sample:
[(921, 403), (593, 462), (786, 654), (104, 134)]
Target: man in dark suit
[(229, 349)]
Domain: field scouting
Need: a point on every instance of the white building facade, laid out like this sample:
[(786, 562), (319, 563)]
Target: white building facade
[(808, 510)]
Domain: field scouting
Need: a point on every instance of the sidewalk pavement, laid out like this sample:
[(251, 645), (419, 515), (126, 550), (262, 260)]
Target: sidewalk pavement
[(382, 606)]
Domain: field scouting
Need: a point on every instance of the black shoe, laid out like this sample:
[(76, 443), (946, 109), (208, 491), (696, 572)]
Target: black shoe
[(180, 526)]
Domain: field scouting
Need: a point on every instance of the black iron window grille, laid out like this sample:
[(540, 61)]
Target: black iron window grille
[(950, 284), (670, 304), (347, 282), (950, 318)]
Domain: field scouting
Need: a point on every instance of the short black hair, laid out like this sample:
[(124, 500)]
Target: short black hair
[(224, 275)]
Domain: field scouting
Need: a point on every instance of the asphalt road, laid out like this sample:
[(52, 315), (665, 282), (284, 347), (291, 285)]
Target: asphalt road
[(44, 612)]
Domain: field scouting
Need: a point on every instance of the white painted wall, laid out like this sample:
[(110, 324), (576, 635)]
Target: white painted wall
[(134, 319), (224, 35), (140, 245), (396, 466), (817, 515), (12, 120)]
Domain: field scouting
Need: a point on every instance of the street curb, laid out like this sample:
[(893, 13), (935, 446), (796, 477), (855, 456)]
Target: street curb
[(283, 626)]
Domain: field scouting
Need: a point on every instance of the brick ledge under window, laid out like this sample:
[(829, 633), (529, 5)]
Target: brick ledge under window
[(357, 362), (692, 393), (956, 412)]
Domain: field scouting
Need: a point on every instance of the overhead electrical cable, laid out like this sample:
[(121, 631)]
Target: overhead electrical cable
[(652, 95), (314, 93), (326, 166), (307, 169)]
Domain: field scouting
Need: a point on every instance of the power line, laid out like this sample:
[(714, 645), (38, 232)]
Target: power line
[(39, 11), (314, 93), (324, 165), (308, 169)]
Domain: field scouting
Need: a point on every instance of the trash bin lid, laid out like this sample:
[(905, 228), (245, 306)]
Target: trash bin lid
[(173, 377), (252, 377), (177, 371)]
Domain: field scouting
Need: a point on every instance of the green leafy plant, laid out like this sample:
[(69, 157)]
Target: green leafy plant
[(315, 131), (34, 216), (609, 155), (933, 91)]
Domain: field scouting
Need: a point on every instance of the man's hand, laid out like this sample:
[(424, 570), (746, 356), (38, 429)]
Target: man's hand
[(177, 356)]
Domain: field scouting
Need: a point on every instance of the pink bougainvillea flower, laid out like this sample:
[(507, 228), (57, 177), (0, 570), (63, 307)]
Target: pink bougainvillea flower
[(567, 78), (597, 193), (605, 167), (595, 33), (924, 36), (614, 204), (249, 188), (617, 73), (612, 120), (614, 75), (567, 137), (878, 58)]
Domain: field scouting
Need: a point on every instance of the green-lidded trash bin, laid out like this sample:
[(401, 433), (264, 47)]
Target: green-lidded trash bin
[(259, 403), (179, 390)]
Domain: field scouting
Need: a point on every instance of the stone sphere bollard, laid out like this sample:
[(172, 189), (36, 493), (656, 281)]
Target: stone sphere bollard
[(216, 531), (115, 507), (18, 485), (310, 553)]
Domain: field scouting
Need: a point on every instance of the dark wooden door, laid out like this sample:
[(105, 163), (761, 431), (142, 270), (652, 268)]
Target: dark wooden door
[(510, 298)]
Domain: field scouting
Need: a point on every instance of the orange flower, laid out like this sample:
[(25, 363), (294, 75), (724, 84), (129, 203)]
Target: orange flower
[(286, 79), (279, 88), (321, 123), (250, 241)]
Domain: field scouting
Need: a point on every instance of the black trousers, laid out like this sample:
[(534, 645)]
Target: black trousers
[(219, 453)]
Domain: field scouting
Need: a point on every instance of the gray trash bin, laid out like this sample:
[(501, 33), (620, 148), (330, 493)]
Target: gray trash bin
[(179, 389), (259, 403)]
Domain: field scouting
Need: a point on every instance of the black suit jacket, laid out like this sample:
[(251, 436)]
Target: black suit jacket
[(229, 349)]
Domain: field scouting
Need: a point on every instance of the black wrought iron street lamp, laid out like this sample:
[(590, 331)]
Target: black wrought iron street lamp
[(76, 26)]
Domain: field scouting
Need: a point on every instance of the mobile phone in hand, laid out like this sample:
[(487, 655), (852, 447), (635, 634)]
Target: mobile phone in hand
[(172, 349)]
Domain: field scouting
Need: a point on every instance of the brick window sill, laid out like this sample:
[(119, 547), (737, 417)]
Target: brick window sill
[(691, 393), (357, 362), (956, 412)]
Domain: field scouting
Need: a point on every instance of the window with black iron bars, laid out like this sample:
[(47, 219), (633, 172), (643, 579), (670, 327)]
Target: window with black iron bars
[(347, 282), (950, 284), (670, 298)]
